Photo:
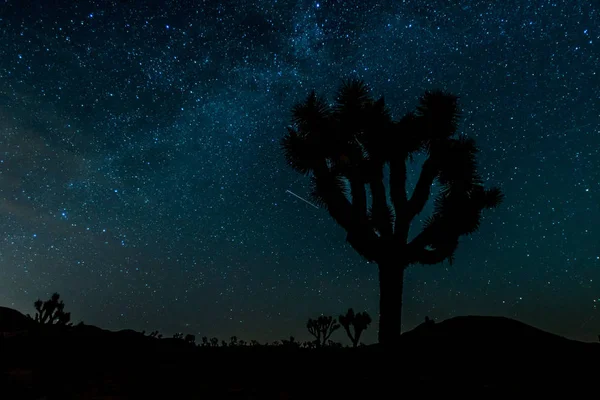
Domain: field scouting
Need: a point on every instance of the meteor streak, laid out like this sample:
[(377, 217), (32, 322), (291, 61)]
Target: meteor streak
[(303, 199)]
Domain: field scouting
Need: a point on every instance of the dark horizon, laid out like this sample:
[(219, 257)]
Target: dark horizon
[(142, 177)]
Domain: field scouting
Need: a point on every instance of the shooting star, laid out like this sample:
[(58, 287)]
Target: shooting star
[(303, 199)]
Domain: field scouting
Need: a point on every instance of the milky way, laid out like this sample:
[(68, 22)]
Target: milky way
[(141, 174)]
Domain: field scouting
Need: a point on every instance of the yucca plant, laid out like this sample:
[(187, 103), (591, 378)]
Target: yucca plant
[(346, 147)]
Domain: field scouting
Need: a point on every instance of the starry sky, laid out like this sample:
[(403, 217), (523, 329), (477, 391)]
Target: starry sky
[(141, 175)]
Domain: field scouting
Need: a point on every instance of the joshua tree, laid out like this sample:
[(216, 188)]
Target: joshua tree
[(51, 312), (353, 145), (359, 322), (322, 328), (178, 336)]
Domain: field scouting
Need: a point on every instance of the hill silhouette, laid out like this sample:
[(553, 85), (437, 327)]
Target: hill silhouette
[(471, 354), (13, 321), (476, 328), (500, 351)]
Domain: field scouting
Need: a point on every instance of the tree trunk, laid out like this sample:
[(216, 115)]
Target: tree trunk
[(391, 287)]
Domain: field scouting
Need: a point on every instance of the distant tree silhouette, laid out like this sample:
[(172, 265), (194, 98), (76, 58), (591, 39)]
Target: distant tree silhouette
[(322, 328), (359, 322), (309, 345), (290, 343), (214, 342), (189, 338), (51, 312), (178, 335), (355, 144), (205, 341)]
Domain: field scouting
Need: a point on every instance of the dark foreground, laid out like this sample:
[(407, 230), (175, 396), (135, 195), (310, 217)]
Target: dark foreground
[(474, 359)]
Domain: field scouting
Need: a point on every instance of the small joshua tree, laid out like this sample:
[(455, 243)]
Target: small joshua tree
[(359, 322), (51, 312), (322, 328), (178, 335)]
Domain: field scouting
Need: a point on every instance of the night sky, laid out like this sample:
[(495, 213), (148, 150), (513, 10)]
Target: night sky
[(141, 174)]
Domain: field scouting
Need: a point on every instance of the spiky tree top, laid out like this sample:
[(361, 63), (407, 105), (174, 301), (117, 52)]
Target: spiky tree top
[(322, 328), (344, 149), (359, 321), (51, 311)]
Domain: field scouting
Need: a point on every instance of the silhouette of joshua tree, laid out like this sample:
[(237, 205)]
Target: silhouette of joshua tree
[(359, 322), (51, 312), (354, 144), (322, 328)]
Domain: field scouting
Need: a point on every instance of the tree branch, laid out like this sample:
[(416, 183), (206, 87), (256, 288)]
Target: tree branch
[(397, 183), (430, 257), (359, 199), (419, 253), (422, 189), (380, 209)]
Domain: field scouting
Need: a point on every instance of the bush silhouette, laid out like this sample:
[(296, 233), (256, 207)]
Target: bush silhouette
[(359, 322), (290, 343), (354, 145), (51, 312), (322, 328), (189, 338)]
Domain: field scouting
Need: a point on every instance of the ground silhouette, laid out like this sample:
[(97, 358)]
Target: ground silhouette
[(462, 355), (354, 144)]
